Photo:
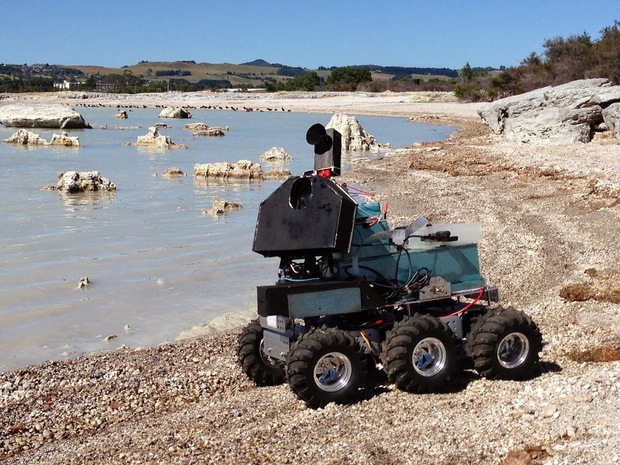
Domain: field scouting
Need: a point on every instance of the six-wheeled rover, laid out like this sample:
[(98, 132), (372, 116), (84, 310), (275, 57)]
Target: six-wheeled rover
[(354, 294)]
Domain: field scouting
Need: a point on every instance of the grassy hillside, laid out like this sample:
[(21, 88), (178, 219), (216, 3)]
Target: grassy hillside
[(236, 74)]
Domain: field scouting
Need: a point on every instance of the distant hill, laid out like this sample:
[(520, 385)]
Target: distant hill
[(190, 75)]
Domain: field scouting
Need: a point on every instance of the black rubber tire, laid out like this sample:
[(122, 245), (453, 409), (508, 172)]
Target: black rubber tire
[(504, 344), (315, 352), (420, 354), (263, 370)]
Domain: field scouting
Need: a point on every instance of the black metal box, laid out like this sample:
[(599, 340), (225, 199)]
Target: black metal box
[(306, 215)]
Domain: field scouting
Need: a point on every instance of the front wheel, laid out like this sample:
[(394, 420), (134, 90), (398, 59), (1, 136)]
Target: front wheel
[(324, 366), (504, 344), (262, 369), (420, 354)]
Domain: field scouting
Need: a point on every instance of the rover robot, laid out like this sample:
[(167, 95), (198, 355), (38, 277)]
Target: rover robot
[(354, 294)]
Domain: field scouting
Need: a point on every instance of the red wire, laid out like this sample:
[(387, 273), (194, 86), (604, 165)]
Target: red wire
[(470, 304)]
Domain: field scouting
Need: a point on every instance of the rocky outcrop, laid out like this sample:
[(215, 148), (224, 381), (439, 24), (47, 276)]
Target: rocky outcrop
[(203, 129), (154, 139), (173, 171), (83, 181), (354, 138), (64, 140), (276, 154), (175, 112), (243, 169), (213, 131), (196, 126), (611, 116), (53, 116), (222, 207), (567, 113), (24, 137)]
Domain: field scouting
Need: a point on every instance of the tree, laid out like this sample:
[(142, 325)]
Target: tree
[(569, 59), (348, 77), (607, 54)]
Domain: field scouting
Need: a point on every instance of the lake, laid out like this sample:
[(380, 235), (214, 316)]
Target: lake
[(157, 264)]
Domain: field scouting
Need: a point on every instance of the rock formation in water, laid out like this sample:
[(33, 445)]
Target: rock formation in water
[(24, 137), (175, 112), (276, 154), (54, 116), (243, 169), (354, 137), (83, 181), (154, 139), (222, 207)]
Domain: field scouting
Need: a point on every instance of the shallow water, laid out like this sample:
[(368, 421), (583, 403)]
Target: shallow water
[(157, 265)]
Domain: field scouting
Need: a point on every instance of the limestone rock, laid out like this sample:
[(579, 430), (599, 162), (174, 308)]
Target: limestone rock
[(562, 114), (155, 139), (354, 137), (173, 171), (175, 112), (24, 137), (212, 131), (64, 140), (611, 116), (83, 181), (196, 126), (222, 207), (276, 154), (41, 116), (243, 169)]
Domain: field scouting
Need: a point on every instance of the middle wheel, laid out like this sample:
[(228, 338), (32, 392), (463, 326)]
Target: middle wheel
[(324, 366), (420, 354)]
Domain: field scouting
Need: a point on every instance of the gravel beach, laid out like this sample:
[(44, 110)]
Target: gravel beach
[(550, 216)]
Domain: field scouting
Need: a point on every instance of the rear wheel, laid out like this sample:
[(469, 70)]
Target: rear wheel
[(504, 344), (324, 366), (262, 369), (420, 354)]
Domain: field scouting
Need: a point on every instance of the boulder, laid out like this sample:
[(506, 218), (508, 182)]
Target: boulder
[(276, 154), (54, 116), (173, 171), (213, 131), (154, 139), (221, 207), (556, 125), (354, 138), (556, 114), (83, 181), (196, 126), (64, 140), (24, 137), (121, 115), (243, 169), (175, 112), (611, 116)]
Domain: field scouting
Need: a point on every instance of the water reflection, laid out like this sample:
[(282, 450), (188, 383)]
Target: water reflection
[(96, 200)]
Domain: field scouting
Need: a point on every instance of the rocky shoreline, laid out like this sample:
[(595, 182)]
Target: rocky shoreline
[(550, 217)]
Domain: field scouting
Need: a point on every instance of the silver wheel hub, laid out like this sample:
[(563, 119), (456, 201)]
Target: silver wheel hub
[(429, 357), (333, 372), (512, 350)]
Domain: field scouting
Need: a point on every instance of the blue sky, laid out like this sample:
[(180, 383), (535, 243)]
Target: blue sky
[(440, 33)]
